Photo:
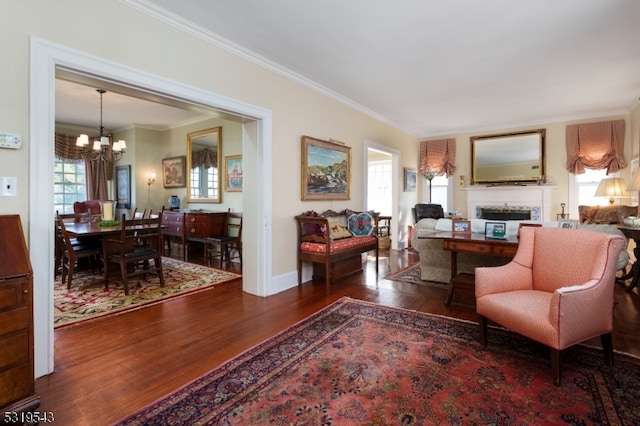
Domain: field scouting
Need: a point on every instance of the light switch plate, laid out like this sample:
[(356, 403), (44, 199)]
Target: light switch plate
[(8, 186)]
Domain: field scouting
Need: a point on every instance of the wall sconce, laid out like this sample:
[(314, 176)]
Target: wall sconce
[(152, 179)]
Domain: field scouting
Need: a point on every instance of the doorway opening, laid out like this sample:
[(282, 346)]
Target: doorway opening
[(46, 60)]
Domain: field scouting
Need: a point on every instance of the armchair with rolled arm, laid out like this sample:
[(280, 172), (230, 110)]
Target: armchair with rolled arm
[(557, 290)]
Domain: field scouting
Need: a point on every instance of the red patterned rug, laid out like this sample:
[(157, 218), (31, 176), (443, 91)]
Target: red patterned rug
[(411, 275), (87, 298), (356, 363)]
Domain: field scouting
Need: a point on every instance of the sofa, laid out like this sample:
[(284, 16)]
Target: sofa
[(435, 261), (610, 214)]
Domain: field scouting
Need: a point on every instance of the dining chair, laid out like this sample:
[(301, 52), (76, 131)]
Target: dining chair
[(138, 242), (231, 240), (138, 215), (72, 249)]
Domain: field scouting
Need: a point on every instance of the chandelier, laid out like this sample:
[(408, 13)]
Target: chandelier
[(99, 151)]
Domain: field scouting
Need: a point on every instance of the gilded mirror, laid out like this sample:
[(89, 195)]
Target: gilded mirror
[(204, 149), (508, 158)]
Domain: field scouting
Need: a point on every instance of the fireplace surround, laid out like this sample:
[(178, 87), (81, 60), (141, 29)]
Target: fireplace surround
[(510, 201)]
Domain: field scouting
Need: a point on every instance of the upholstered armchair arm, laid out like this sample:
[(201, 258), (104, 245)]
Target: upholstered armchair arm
[(500, 279), (575, 306)]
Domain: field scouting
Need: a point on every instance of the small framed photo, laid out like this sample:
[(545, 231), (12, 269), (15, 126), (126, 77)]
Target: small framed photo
[(459, 226), (568, 223), (496, 230), (410, 178)]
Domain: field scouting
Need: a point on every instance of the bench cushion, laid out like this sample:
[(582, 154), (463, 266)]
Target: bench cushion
[(336, 246)]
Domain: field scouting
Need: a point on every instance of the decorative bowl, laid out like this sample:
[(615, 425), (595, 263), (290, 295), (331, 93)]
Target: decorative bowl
[(632, 221)]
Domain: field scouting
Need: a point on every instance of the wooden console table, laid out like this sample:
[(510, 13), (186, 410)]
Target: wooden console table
[(461, 291)]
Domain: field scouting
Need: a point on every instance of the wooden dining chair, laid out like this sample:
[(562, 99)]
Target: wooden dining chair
[(138, 242), (138, 215), (73, 249), (59, 242), (224, 243)]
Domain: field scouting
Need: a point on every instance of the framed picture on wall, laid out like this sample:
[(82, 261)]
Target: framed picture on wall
[(123, 187), (410, 179), (233, 173), (326, 170), (174, 172)]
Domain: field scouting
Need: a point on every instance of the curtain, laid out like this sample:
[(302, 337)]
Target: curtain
[(98, 172), (206, 157), (595, 146), (438, 157)]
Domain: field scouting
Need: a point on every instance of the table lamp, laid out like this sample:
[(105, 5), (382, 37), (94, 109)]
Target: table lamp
[(614, 187), (635, 184)]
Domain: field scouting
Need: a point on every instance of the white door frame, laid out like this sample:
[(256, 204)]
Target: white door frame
[(45, 57), (395, 182)]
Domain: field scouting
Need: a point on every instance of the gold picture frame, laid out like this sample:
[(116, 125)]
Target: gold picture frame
[(460, 226), (326, 170), (174, 172)]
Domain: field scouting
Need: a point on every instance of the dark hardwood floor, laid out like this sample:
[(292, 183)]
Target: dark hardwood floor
[(111, 367)]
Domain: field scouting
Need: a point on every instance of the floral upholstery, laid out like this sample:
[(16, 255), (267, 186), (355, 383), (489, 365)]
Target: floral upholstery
[(337, 245), (558, 289), (613, 213)]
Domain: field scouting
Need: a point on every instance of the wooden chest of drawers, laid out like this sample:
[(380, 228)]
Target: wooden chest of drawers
[(17, 390), (191, 226)]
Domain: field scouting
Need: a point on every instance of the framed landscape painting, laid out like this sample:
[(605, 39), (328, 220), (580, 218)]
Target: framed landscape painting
[(174, 172), (326, 170)]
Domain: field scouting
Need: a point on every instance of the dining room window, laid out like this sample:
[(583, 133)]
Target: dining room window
[(204, 182), (69, 184)]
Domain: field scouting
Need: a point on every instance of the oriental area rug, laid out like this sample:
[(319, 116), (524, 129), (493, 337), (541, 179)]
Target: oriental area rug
[(411, 275), (88, 299), (358, 363)]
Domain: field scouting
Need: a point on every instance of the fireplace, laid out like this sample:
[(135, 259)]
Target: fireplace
[(523, 202), (505, 213)]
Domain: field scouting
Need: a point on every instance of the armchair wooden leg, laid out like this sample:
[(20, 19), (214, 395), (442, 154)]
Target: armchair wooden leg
[(483, 330), (607, 348), (556, 365)]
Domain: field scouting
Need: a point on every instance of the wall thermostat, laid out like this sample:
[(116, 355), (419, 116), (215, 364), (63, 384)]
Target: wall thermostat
[(7, 140)]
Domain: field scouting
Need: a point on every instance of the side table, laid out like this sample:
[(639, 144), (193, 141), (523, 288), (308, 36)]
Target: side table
[(634, 273)]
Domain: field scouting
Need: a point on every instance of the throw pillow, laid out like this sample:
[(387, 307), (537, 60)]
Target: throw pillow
[(338, 232), (361, 224)]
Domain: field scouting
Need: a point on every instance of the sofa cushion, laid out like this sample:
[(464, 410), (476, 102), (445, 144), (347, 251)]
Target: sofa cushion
[(613, 213), (337, 246)]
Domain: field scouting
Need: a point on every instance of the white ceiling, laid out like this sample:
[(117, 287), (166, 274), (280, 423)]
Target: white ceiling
[(434, 67)]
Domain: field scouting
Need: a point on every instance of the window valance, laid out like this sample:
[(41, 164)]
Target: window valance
[(438, 157), (65, 148), (206, 157), (596, 146)]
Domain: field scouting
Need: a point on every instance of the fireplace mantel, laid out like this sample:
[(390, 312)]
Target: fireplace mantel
[(537, 197)]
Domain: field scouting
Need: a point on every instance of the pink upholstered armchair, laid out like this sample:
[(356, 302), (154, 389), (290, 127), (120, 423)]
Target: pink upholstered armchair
[(557, 290)]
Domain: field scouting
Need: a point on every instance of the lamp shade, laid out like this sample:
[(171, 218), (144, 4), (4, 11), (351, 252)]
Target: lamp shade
[(612, 188)]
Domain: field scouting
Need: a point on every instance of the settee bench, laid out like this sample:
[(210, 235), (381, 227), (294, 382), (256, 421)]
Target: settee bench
[(334, 242)]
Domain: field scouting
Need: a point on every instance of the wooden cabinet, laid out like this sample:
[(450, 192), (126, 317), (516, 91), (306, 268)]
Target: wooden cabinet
[(192, 226), (17, 382)]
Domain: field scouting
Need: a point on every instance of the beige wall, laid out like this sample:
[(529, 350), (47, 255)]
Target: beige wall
[(556, 157), (141, 42)]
